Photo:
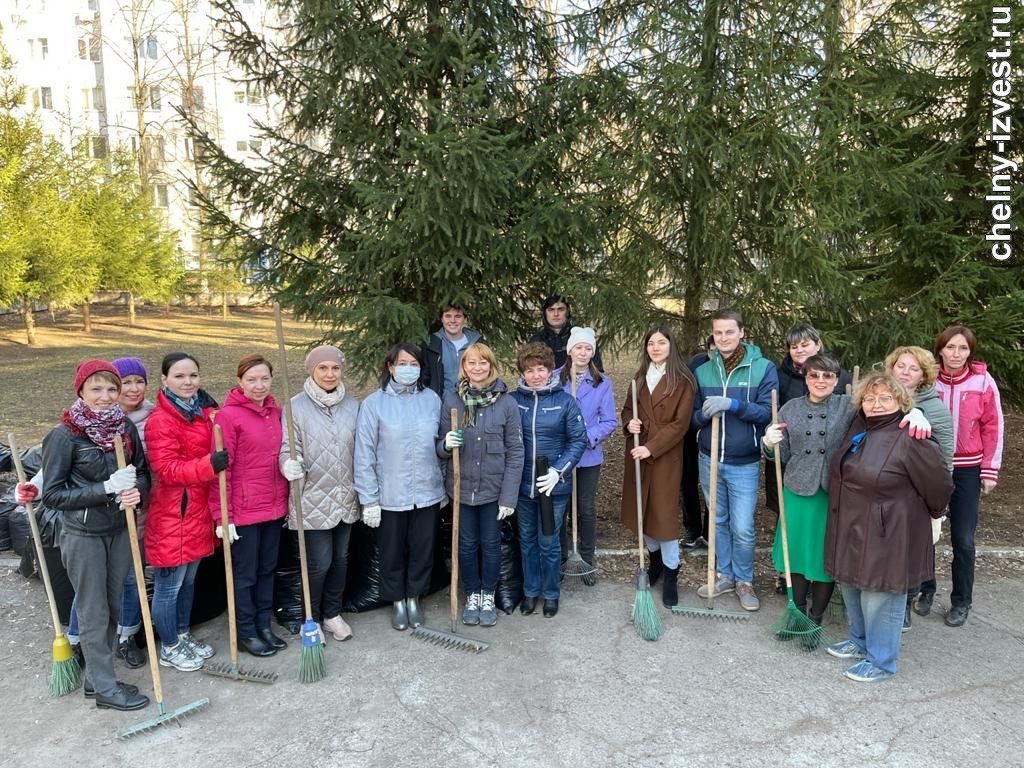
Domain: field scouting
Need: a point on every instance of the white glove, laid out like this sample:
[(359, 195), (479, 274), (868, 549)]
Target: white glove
[(773, 435), (937, 529), (292, 469), (453, 439), (546, 483), (504, 512), (122, 480), (232, 533), (920, 427), (371, 515)]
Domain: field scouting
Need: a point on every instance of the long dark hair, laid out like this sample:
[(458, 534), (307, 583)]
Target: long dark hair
[(595, 374), (676, 369), (392, 356)]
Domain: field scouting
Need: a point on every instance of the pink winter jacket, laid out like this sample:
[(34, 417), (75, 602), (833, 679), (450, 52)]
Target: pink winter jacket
[(257, 491), (973, 400)]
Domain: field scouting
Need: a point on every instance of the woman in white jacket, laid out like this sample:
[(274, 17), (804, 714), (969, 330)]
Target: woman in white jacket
[(325, 434)]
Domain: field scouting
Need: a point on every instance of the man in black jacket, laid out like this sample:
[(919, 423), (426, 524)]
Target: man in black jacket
[(557, 325)]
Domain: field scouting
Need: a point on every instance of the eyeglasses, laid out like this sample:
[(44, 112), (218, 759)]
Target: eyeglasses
[(880, 400), (821, 375)]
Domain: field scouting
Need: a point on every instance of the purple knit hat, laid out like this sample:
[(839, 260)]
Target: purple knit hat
[(130, 366)]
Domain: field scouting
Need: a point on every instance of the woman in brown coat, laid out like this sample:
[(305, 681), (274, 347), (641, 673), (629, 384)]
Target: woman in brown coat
[(665, 389), (884, 489)]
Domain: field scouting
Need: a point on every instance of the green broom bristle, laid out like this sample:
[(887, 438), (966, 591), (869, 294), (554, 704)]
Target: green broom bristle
[(645, 616), (312, 666), (65, 677)]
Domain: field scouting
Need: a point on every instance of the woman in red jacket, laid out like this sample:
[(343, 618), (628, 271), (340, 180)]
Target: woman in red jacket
[(178, 529), (257, 498)]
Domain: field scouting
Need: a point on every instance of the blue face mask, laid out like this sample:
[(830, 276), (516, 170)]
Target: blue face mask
[(406, 374)]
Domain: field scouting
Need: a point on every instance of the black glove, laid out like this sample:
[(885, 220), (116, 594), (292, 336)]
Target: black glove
[(219, 461)]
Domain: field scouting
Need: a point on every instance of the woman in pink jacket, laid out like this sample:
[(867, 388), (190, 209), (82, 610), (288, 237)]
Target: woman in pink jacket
[(257, 494), (970, 393)]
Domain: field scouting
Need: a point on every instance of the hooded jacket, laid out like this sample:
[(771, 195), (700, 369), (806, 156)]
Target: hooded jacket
[(552, 428), (597, 405), (972, 397)]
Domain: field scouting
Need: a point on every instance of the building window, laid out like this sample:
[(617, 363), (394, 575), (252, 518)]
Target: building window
[(44, 48), (153, 92), (46, 97), (132, 96), (255, 145), (148, 48), (86, 99), (98, 100), (158, 194), (240, 97), (97, 147), (92, 5), (242, 146), (157, 149), (83, 49), (198, 98)]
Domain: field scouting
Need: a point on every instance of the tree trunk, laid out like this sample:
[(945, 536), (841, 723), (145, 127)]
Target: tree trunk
[(131, 309), (30, 322), (86, 317), (224, 304)]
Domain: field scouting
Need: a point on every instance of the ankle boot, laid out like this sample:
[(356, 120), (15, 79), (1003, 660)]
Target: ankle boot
[(412, 606), (656, 567), (399, 617), (670, 587)]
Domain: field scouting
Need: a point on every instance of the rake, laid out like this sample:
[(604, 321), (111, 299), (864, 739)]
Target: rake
[(575, 569), (436, 636), (709, 612), (224, 669), (65, 675), (164, 716), (643, 614)]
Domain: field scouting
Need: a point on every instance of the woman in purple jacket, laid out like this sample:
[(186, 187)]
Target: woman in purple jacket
[(593, 392)]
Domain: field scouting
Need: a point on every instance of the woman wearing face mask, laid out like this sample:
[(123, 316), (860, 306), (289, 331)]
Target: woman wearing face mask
[(593, 392), (398, 480), (490, 439), (180, 532), (325, 435), (970, 394), (250, 422)]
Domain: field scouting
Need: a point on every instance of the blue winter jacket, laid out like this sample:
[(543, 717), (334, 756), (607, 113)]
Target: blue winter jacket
[(552, 427), (750, 386)]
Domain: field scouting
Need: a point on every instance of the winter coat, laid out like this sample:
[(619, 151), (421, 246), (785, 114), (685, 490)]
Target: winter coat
[(178, 526), (813, 433), (552, 428), (665, 419), (942, 423), (597, 404), (750, 384), (792, 384), (882, 497), (972, 398), (396, 460), (325, 439), (433, 358), (557, 340), (74, 469), (257, 491), (491, 457)]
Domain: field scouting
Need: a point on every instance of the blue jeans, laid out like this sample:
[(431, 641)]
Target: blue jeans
[(734, 517), (542, 555), (876, 624), (129, 616), (479, 530), (172, 600), (669, 550)]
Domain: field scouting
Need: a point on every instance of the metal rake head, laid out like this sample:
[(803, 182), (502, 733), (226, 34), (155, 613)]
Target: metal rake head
[(709, 613), (235, 672), (450, 640), (164, 718), (576, 571)]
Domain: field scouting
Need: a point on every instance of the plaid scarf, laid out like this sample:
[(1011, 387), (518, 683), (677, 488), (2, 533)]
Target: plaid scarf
[(190, 409), (474, 398), (102, 427)]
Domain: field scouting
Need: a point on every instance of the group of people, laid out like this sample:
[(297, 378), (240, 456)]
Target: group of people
[(858, 489)]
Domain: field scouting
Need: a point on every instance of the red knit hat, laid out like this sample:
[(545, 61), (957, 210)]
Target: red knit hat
[(87, 368)]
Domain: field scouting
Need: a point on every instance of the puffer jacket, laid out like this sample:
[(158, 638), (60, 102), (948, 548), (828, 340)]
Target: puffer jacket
[(552, 428), (325, 438), (597, 405), (179, 529), (491, 458), (257, 491), (972, 397), (74, 469), (396, 457)]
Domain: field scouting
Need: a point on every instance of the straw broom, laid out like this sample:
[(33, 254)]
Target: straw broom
[(645, 617)]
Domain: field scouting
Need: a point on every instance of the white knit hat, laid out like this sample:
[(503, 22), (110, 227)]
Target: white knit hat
[(581, 335)]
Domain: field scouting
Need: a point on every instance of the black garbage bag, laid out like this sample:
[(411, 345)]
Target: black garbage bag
[(32, 460), (6, 463), (288, 608), (362, 583), (6, 507), (211, 598), (510, 580), (63, 591), (21, 534)]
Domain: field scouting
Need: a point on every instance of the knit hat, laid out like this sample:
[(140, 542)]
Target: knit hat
[(131, 366), (322, 354), (87, 368), (581, 335)]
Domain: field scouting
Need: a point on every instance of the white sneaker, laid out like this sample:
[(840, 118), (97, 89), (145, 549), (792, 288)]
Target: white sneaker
[(201, 649), (180, 656), (338, 628)]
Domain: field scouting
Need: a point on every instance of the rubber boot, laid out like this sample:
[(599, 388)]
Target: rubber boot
[(656, 567), (670, 587), (412, 606), (399, 617)]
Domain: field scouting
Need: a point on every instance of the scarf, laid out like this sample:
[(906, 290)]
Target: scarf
[(190, 409), (102, 427), (474, 398), (320, 395), (655, 372), (734, 359)]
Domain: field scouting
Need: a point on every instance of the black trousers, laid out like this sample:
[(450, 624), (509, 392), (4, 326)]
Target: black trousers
[(327, 560), (254, 560), (963, 522), (406, 544)]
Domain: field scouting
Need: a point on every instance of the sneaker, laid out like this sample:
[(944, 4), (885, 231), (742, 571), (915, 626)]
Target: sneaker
[(694, 542), (866, 672), (339, 628), (748, 600), (847, 649), (722, 585), (199, 648), (130, 653), (180, 656), (488, 614), (471, 613), (956, 615)]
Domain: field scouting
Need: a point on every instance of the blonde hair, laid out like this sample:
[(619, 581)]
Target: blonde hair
[(883, 380), (924, 359), (480, 350)]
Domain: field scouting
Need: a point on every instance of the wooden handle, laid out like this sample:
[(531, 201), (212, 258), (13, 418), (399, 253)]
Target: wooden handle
[(140, 579), (778, 483), (453, 600), (636, 472), (37, 538), (716, 426), (293, 487), (572, 491), (229, 575)]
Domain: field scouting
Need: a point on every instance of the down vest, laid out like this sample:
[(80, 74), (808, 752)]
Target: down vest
[(325, 438), (257, 491), (178, 527)]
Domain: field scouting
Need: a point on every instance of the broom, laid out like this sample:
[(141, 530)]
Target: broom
[(709, 612), (231, 671), (645, 617), (163, 716), (575, 569), (311, 663), (793, 622), (65, 676)]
